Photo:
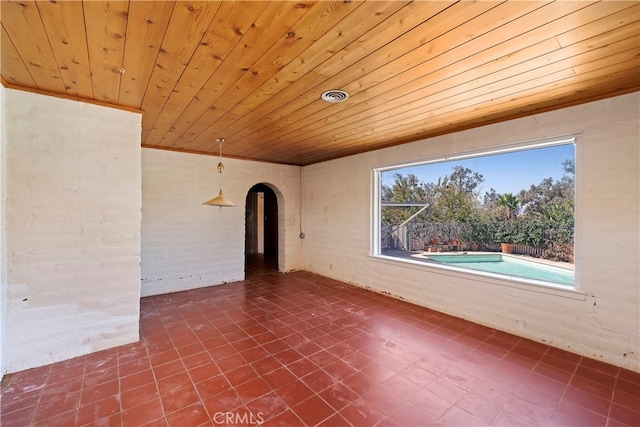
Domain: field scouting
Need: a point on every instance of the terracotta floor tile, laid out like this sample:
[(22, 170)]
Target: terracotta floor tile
[(229, 363), (597, 376), (446, 390), (143, 414), (302, 368), (338, 396), (55, 405), (64, 419), (225, 401), (599, 366), (384, 401), (565, 364), (194, 415), (429, 402), (168, 369), (307, 348), (544, 397), (94, 378), (173, 383), (267, 406), (630, 376), (506, 419), (592, 387), (253, 389), (587, 401), (241, 375), (179, 399), (570, 414), (166, 356), (378, 371), (459, 417), (336, 420), (203, 372), (99, 392), (254, 354), (18, 418), (627, 400), (15, 400), (300, 349), (528, 411), (294, 392), (97, 410), (361, 413), (410, 415), (212, 386), (137, 396), (74, 371), (278, 378), (319, 380), (483, 403), (339, 370), (286, 419), (136, 380), (313, 410), (266, 365), (624, 415), (134, 366), (196, 360)]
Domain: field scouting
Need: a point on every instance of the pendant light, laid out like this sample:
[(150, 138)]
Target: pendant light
[(220, 201)]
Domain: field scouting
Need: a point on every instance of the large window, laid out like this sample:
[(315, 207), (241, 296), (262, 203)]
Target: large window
[(508, 213)]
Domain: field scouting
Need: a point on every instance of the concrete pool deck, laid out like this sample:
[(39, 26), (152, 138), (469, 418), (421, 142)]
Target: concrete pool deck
[(423, 256)]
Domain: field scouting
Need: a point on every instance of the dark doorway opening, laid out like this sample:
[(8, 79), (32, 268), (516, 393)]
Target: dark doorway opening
[(261, 233)]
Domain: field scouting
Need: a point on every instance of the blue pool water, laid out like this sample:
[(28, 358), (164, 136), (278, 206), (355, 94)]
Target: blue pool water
[(496, 263)]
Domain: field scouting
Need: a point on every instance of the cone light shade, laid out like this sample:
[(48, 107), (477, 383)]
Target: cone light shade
[(220, 200)]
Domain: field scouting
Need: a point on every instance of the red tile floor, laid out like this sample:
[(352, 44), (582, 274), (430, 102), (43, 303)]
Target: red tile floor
[(300, 349)]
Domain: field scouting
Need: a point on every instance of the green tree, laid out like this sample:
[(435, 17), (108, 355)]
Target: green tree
[(490, 200), (405, 189), (550, 192), (508, 205), (457, 195)]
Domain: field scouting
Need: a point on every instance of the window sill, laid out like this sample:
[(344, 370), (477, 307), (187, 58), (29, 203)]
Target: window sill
[(485, 277)]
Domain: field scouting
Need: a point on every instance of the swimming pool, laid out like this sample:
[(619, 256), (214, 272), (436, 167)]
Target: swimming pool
[(509, 266)]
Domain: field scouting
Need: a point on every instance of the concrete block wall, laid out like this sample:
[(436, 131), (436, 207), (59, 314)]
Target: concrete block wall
[(3, 221), (72, 229), (602, 321), (186, 245)]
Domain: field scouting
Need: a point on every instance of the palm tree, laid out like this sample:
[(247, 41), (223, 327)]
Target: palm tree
[(510, 204)]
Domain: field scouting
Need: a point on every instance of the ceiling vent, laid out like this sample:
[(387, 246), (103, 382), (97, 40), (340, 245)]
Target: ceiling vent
[(335, 95)]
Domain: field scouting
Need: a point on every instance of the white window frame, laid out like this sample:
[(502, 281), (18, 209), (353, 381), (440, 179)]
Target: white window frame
[(573, 292)]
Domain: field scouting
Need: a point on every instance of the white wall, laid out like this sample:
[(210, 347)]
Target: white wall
[(604, 324), (186, 245), (73, 214), (3, 248)]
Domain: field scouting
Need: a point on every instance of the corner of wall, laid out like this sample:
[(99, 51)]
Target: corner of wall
[(3, 248)]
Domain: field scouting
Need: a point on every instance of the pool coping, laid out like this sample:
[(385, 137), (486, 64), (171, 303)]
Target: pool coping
[(408, 260)]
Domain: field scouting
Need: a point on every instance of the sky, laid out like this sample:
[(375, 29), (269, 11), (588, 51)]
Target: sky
[(506, 173)]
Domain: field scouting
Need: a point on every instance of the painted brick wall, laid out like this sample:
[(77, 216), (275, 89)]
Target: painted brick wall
[(604, 324), (186, 245), (3, 244), (73, 215)]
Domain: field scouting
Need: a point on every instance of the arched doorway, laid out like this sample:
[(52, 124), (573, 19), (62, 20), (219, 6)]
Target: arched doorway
[(261, 230)]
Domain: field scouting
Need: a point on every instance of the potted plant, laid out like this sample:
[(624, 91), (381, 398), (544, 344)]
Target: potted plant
[(506, 231), (507, 248)]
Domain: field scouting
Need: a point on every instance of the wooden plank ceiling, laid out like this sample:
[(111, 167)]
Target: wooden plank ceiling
[(253, 72)]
